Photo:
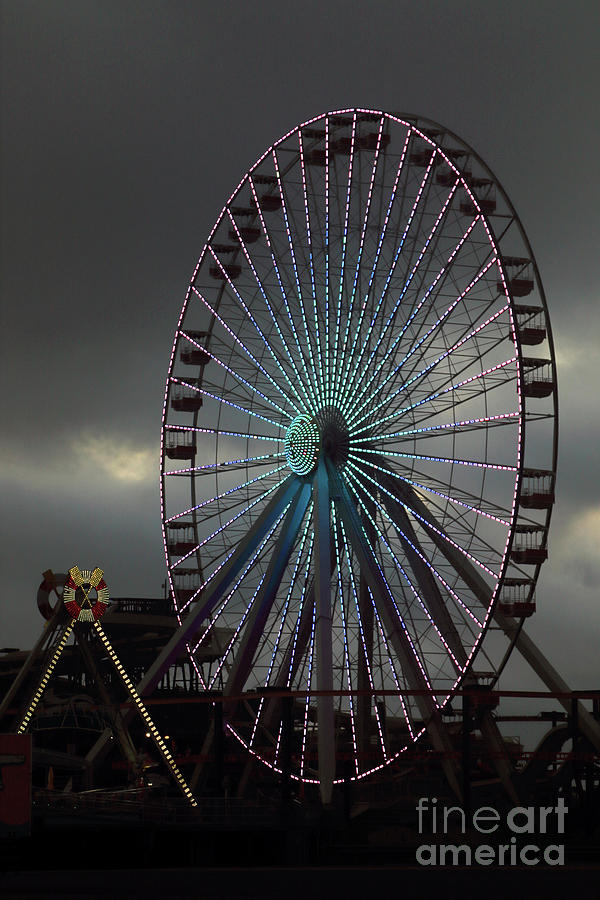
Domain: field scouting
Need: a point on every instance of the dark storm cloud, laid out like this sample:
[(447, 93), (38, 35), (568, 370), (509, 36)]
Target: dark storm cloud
[(126, 125)]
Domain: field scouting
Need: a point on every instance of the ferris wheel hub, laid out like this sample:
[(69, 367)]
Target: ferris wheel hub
[(335, 435), (309, 437)]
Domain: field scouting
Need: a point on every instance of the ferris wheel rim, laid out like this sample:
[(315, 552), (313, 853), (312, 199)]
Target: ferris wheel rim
[(190, 296)]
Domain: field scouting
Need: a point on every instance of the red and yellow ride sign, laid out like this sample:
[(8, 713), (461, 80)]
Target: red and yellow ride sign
[(77, 594)]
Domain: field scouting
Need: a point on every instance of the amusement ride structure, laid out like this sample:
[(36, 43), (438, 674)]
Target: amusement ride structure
[(359, 444)]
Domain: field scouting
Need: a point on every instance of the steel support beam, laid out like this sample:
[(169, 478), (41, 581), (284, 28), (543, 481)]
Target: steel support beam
[(263, 602), (509, 625), (428, 588), (588, 726), (428, 709), (325, 713)]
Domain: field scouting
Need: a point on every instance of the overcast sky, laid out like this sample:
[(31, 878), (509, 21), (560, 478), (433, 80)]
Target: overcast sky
[(125, 127)]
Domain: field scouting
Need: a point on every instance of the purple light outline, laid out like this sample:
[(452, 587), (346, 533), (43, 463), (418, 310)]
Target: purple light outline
[(218, 531), (431, 490), (233, 639), (380, 245), (308, 687), (196, 430), (226, 494), (411, 585), (443, 459), (249, 565), (326, 349), (387, 586), (389, 277), (392, 667), (249, 354)]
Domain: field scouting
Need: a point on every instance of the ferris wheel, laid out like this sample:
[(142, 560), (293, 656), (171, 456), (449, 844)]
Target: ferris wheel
[(359, 440)]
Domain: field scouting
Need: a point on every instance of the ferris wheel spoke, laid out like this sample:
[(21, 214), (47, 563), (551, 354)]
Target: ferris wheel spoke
[(428, 595), (219, 432), (461, 605), (222, 400), (364, 703), (500, 420), (397, 256), (214, 617), (404, 478), (274, 318), (399, 680), (341, 291), (280, 616), (465, 564), (228, 524), (382, 236), (259, 609), (433, 368), (432, 365), (386, 328), (302, 381), (402, 642), (231, 465), (223, 662), (251, 356), (404, 496), (227, 493), (326, 351), (234, 374), (323, 629), (271, 707), (309, 683), (396, 369), (357, 268), (321, 378), (449, 460), (357, 327), (346, 657), (457, 386), (408, 282), (313, 365)]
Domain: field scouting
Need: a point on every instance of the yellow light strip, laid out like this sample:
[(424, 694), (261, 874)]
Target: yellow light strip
[(160, 744), (76, 575), (46, 677), (96, 577)]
